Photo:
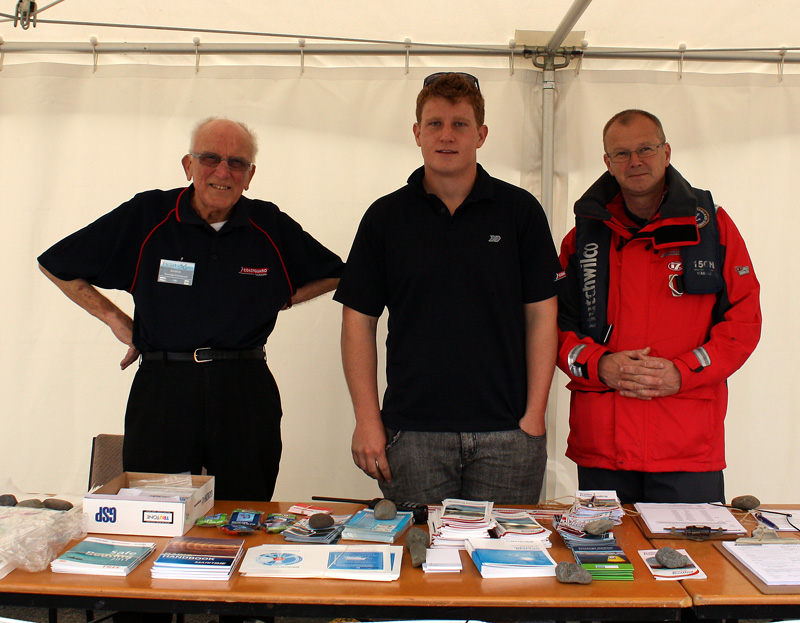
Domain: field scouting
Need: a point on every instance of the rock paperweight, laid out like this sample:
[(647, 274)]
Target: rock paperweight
[(572, 573), (671, 559), (385, 509), (319, 521), (57, 504), (417, 541), (31, 503), (598, 526), (745, 502)]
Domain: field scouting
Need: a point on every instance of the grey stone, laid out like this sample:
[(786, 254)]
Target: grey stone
[(598, 526), (746, 502), (318, 521), (417, 541), (671, 559), (57, 504), (8, 499), (572, 573), (32, 503), (385, 509)]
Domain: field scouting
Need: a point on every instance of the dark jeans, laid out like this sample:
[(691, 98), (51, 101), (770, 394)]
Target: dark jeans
[(667, 487), (505, 467)]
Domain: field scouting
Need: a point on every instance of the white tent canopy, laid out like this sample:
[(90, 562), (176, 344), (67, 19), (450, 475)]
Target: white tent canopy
[(79, 139)]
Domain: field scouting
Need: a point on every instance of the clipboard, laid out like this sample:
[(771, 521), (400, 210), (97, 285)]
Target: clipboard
[(640, 523), (767, 589)]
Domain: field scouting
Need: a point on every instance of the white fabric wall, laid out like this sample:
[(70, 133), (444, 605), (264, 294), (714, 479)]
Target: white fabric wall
[(77, 143)]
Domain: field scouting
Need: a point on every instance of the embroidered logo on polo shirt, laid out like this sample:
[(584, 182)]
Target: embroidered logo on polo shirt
[(494, 238), (256, 272)]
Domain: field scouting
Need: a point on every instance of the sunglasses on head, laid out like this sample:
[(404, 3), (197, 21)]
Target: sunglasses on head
[(469, 77)]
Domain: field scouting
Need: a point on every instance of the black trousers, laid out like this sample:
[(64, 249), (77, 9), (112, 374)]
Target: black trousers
[(221, 415), (668, 487)]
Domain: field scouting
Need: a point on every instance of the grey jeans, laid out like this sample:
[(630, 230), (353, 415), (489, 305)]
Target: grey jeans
[(505, 467)]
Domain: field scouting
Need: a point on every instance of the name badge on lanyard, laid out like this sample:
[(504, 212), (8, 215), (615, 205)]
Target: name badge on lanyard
[(172, 271)]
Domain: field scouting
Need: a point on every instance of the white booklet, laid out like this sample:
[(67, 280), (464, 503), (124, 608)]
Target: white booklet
[(442, 561), (690, 572), (348, 562)]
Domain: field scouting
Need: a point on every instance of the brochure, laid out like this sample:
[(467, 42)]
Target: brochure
[(501, 558), (690, 572), (349, 562), (96, 556)]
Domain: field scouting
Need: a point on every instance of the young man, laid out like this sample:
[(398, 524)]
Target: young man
[(659, 308), (465, 265)]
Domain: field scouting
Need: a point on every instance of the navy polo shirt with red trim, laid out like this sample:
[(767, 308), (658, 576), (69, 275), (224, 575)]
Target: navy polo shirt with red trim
[(240, 276), (455, 288)]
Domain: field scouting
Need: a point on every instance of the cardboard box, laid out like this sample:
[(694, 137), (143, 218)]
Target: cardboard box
[(109, 514)]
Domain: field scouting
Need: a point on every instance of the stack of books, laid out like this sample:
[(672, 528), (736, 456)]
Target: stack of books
[(300, 532), (191, 558), (519, 525), (500, 558), (604, 562), (96, 556), (598, 554), (347, 562), (459, 520), (364, 527)]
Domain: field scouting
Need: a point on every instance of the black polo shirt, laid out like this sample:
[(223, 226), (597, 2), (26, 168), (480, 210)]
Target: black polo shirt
[(455, 287), (240, 276)]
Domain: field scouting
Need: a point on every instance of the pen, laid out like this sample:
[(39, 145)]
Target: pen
[(766, 521)]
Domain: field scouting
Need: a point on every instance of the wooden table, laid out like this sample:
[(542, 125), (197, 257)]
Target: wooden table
[(727, 593), (464, 595)]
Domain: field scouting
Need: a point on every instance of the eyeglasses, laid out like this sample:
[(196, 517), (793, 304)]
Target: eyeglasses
[(646, 151), (434, 77), (212, 160)]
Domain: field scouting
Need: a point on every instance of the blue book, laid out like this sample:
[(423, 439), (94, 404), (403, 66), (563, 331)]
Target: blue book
[(500, 558), (364, 527), (96, 556)]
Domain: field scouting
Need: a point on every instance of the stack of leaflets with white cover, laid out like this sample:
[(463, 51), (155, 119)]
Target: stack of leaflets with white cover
[(459, 520), (96, 556), (589, 506), (519, 525), (192, 558), (364, 527), (300, 532), (502, 558), (598, 504), (346, 562)]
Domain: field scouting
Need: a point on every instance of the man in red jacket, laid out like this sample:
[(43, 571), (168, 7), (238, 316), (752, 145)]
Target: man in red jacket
[(659, 308)]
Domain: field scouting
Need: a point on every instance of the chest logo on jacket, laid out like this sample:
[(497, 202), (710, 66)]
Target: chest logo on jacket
[(256, 272)]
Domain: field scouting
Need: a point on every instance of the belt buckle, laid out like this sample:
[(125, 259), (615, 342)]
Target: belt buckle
[(197, 350)]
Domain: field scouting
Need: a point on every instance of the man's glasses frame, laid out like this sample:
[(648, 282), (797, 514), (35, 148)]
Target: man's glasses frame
[(645, 151), (212, 160), (434, 77)]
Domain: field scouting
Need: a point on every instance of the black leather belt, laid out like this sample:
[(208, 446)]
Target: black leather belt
[(204, 355)]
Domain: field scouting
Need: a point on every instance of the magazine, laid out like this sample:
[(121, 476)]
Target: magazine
[(194, 558), (96, 556), (502, 558)]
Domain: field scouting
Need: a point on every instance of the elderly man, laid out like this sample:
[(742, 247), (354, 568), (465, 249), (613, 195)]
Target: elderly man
[(209, 270), (466, 266), (660, 307)]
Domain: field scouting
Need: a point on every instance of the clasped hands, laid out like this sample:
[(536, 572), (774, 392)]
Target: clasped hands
[(634, 374)]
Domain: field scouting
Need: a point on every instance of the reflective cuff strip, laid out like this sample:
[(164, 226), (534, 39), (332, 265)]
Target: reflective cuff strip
[(702, 358), (575, 368)]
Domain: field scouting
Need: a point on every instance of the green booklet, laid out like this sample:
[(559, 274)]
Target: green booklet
[(96, 556)]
